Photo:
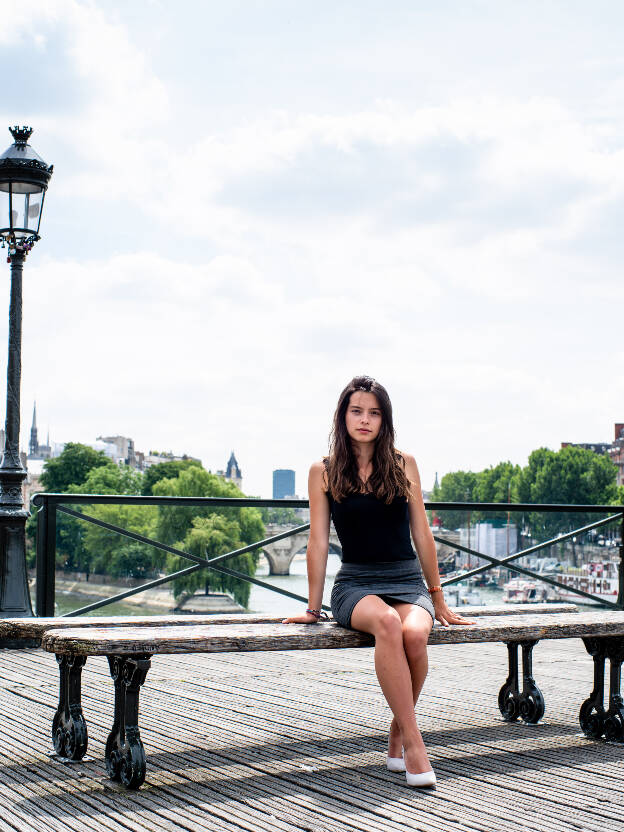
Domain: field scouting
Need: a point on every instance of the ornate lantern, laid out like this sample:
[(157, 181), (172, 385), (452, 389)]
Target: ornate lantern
[(24, 178)]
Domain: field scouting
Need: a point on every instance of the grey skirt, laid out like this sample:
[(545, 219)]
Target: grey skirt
[(399, 581)]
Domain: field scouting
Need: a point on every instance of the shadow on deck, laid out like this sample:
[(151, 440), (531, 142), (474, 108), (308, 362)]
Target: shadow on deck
[(296, 741)]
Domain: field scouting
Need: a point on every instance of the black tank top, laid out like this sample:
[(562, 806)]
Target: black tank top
[(370, 530)]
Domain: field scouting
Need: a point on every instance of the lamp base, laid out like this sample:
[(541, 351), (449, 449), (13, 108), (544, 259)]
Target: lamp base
[(14, 594)]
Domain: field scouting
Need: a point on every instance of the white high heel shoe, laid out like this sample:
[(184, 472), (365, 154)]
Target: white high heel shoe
[(395, 763), (423, 781)]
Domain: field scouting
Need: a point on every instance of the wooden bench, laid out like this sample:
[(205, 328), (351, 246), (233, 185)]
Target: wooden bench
[(30, 631), (129, 651)]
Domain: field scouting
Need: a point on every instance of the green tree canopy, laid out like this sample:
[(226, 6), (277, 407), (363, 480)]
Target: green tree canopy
[(175, 521), (110, 553), (209, 537), (72, 467), (455, 487), (494, 484), (216, 528), (570, 475), (110, 479), (165, 471), (62, 475)]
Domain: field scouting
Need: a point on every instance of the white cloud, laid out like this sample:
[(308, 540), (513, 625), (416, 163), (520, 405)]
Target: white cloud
[(240, 270)]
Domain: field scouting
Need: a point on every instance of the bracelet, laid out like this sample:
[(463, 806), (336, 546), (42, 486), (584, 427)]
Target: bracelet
[(320, 615), (435, 589)]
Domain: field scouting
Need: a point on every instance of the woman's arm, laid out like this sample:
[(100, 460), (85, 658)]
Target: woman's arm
[(318, 543), (425, 545)]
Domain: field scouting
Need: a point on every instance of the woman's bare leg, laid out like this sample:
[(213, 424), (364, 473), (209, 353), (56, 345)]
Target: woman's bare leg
[(416, 625), (372, 615)]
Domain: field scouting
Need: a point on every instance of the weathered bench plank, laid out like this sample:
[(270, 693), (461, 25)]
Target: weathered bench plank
[(29, 628), (104, 641)]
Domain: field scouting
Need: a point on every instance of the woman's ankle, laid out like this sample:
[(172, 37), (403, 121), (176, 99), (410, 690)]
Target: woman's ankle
[(412, 738), (416, 758), (395, 743)]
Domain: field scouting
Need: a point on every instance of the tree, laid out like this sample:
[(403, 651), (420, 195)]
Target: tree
[(61, 475), (570, 475), (165, 471), (210, 537), (110, 479), (175, 521), (221, 526), (494, 485), (71, 467), (107, 552), (455, 487)]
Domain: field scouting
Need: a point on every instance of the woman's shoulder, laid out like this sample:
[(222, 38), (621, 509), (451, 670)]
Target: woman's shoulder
[(318, 474), (405, 458), (408, 462)]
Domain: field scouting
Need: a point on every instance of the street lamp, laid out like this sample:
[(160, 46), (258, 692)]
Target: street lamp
[(24, 178)]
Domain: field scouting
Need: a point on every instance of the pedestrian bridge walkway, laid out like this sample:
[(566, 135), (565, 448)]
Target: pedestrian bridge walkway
[(296, 741)]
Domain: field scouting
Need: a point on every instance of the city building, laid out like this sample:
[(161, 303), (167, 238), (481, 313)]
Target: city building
[(35, 450), (144, 461), (596, 447), (232, 472), (283, 483), (119, 449), (615, 449), (616, 452), (496, 540), (124, 449)]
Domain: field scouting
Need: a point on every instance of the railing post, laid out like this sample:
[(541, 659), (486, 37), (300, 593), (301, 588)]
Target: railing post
[(46, 558), (620, 598)]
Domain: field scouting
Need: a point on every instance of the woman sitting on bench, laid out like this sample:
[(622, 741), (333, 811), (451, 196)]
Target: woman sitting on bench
[(372, 493)]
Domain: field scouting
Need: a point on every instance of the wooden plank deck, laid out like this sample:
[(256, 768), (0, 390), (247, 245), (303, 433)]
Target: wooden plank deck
[(296, 741)]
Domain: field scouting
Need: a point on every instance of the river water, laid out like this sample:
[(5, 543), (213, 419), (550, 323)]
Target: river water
[(261, 600)]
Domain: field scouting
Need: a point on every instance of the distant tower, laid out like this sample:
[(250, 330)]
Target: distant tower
[(283, 483), (436, 484), (35, 450), (33, 446), (233, 472)]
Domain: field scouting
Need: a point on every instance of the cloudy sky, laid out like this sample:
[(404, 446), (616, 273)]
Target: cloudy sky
[(253, 201)]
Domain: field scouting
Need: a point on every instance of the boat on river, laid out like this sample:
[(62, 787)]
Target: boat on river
[(599, 578), (521, 591), (459, 595)]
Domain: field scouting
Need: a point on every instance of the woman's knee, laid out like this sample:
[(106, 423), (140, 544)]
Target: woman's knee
[(388, 626), (415, 639)]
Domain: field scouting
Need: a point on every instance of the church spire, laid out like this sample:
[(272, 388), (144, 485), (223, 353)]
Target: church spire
[(33, 446)]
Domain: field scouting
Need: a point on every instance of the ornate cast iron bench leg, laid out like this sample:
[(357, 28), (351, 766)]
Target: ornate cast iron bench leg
[(69, 729), (125, 756), (528, 703), (595, 721)]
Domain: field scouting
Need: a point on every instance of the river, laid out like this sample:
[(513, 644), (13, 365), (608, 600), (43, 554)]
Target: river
[(261, 600)]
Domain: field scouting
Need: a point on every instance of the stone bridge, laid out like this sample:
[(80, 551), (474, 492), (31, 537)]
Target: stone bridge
[(281, 553)]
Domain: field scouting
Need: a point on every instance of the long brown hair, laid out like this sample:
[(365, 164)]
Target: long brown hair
[(388, 479)]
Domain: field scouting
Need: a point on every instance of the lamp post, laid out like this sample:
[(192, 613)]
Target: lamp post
[(24, 178)]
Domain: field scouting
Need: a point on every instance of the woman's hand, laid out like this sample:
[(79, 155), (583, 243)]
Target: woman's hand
[(444, 614), (306, 618)]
